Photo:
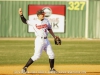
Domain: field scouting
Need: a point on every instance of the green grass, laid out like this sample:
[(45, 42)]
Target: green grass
[(17, 52)]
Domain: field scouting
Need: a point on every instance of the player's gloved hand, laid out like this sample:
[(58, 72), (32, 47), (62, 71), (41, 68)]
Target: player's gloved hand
[(20, 11), (57, 40)]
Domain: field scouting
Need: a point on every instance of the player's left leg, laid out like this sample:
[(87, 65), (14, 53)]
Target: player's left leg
[(50, 53)]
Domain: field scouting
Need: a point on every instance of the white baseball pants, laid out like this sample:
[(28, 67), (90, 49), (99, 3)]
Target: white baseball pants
[(40, 45)]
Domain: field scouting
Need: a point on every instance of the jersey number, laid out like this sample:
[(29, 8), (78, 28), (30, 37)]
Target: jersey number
[(45, 30)]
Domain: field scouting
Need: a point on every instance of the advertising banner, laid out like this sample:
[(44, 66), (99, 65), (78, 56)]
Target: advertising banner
[(54, 13)]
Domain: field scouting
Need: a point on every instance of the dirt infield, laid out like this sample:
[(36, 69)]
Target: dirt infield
[(44, 70)]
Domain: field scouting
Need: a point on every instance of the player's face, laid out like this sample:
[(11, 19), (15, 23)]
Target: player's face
[(41, 16)]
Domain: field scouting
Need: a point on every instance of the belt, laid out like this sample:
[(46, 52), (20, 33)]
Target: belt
[(43, 37)]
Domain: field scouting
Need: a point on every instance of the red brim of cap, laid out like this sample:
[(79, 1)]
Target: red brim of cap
[(43, 13)]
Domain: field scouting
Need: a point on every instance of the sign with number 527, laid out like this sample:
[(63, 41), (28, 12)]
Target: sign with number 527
[(76, 5)]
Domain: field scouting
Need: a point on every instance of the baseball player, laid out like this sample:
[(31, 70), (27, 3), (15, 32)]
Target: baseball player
[(40, 26)]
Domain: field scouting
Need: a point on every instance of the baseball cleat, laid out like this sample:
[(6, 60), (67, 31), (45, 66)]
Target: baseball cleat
[(24, 70), (53, 71)]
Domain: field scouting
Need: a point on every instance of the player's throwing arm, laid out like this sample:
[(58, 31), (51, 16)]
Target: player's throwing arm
[(21, 15)]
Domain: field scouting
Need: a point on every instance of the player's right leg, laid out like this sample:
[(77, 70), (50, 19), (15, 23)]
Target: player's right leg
[(30, 61), (39, 44), (38, 50)]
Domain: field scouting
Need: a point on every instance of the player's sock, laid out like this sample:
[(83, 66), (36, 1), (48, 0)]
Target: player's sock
[(51, 61), (30, 61)]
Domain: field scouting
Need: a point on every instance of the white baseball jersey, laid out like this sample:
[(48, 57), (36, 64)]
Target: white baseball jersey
[(40, 27)]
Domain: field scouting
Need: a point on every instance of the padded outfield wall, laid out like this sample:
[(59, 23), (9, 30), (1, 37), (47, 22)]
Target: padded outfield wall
[(83, 22)]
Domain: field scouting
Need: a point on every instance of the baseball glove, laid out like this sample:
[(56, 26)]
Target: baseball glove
[(57, 40)]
